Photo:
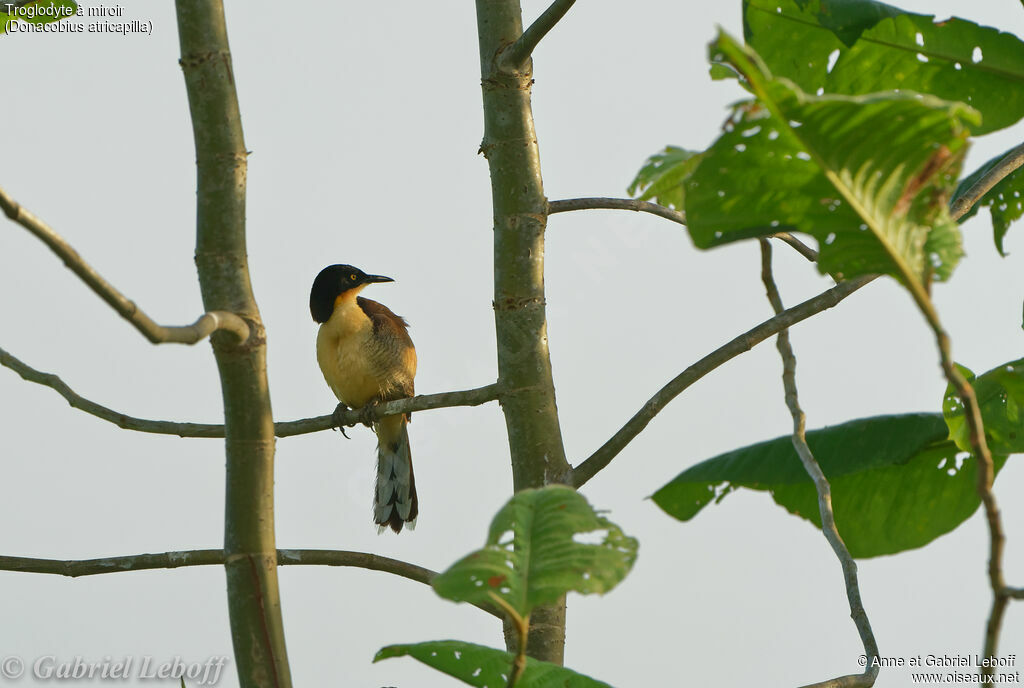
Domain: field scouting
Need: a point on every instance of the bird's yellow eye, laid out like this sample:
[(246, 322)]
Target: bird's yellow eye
[(352, 278)]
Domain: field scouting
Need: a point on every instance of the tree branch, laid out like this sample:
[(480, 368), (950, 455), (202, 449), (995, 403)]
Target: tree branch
[(568, 204), (75, 568), (800, 247), (745, 342), (828, 520), (425, 402), (986, 473), (206, 325), (1010, 162), (519, 52)]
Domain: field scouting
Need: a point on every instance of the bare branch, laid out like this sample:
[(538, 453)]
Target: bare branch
[(1010, 162), (986, 470), (568, 204), (745, 342), (1016, 593), (127, 309), (519, 52), (801, 248), (75, 568), (469, 397), (828, 520)]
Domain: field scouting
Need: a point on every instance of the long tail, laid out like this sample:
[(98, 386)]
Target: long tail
[(394, 498)]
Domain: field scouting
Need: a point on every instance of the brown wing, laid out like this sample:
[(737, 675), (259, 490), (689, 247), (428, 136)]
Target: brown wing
[(394, 355)]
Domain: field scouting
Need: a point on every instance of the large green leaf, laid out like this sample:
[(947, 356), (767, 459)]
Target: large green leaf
[(1004, 200), (1000, 394), (535, 553), (487, 667), (662, 176), (897, 481), (873, 47), (38, 12), (868, 176)]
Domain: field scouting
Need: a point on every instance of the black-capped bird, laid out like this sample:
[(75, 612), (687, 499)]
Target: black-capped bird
[(367, 356)]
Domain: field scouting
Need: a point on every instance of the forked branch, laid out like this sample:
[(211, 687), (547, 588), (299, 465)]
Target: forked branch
[(519, 52), (821, 485), (206, 325)]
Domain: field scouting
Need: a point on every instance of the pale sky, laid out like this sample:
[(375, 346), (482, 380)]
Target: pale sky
[(364, 121)]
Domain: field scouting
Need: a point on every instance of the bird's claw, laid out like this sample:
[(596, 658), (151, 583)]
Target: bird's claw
[(338, 419), (369, 413)]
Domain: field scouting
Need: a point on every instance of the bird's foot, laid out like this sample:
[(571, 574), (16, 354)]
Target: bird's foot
[(368, 414), (338, 419)]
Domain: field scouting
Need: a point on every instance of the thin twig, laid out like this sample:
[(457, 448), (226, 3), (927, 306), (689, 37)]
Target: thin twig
[(828, 521), (1010, 162), (425, 402), (745, 342), (519, 52), (75, 568), (986, 474), (801, 248), (568, 204), (127, 309)]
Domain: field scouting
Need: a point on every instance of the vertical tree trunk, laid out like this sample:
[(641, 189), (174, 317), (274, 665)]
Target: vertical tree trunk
[(251, 559), (520, 216)]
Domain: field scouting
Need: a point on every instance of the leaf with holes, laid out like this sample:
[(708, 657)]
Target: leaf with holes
[(853, 47), (542, 544), (1000, 394), (662, 176), (37, 12), (897, 481), (868, 176), (487, 667), (1005, 200)]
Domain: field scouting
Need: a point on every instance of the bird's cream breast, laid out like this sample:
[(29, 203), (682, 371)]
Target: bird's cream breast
[(340, 350)]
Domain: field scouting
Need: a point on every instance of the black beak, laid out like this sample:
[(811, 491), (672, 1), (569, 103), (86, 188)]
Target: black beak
[(370, 279)]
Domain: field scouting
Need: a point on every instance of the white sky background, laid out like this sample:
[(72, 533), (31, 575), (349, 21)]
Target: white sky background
[(364, 120)]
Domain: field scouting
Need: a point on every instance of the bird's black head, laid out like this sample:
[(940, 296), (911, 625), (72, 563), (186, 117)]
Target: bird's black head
[(332, 282)]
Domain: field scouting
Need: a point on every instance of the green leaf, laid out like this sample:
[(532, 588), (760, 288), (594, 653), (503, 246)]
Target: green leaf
[(662, 176), (1000, 394), (881, 48), (868, 176), (1004, 200), (38, 12), (487, 667), (535, 553), (897, 482)]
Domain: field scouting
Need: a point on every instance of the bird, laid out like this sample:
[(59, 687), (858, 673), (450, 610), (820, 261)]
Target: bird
[(366, 355)]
